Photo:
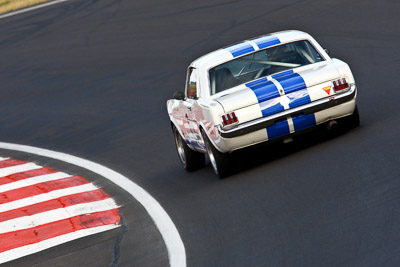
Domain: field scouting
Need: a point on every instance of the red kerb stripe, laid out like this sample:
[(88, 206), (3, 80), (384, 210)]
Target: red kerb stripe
[(10, 162), (25, 175), (39, 233), (62, 202), (41, 188)]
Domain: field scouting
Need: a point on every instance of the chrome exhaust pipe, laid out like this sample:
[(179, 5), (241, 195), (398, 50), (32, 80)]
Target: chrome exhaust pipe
[(332, 125)]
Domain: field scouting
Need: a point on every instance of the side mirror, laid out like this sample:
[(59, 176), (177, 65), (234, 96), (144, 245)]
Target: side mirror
[(178, 95), (327, 51)]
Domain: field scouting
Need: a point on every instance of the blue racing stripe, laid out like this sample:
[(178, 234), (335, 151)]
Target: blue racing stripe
[(257, 82), (291, 83), (301, 122), (282, 74), (240, 49), (300, 101), (272, 109), (280, 128), (298, 98), (263, 89), (266, 41)]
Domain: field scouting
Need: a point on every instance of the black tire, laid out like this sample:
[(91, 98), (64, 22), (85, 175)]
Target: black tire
[(352, 121), (219, 161), (191, 160)]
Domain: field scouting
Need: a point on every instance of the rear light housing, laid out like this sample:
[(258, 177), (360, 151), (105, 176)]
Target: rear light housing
[(228, 120), (340, 85)]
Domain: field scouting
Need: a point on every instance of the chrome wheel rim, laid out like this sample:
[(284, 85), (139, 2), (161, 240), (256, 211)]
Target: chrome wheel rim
[(179, 146), (212, 158)]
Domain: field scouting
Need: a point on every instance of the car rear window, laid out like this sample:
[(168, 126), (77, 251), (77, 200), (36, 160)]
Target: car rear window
[(262, 63)]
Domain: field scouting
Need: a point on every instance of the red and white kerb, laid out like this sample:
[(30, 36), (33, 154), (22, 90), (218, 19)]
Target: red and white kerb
[(41, 208)]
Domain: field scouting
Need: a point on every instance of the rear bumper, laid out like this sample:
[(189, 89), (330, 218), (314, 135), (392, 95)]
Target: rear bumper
[(312, 107)]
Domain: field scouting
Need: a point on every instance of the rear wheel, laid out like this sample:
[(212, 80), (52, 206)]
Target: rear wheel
[(191, 160), (219, 161)]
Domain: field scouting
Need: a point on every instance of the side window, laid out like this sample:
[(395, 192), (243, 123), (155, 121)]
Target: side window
[(191, 87)]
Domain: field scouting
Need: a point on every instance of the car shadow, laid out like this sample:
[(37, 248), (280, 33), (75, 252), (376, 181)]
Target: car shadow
[(252, 157)]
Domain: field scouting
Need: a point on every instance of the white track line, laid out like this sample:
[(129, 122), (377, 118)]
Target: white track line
[(46, 196), (33, 181), (45, 244), (168, 230), (13, 13), (18, 168), (56, 215)]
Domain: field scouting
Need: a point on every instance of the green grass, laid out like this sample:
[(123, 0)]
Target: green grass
[(11, 5)]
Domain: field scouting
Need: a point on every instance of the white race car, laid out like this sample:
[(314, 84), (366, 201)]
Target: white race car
[(261, 89)]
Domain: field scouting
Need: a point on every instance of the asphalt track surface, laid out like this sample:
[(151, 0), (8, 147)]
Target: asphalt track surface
[(91, 78)]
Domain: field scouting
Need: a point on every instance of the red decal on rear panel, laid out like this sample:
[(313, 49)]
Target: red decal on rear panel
[(327, 89)]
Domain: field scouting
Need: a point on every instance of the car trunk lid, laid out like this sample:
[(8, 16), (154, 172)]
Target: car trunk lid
[(281, 91)]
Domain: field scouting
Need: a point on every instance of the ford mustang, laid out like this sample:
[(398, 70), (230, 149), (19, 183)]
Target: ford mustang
[(265, 88)]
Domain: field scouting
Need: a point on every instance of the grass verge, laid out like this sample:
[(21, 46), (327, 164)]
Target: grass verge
[(11, 5)]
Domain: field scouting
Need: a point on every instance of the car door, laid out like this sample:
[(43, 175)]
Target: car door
[(189, 109)]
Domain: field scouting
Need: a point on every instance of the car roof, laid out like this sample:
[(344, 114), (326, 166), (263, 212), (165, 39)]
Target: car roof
[(247, 46)]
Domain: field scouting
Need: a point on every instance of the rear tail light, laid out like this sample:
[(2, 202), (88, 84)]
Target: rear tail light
[(229, 119), (340, 85)]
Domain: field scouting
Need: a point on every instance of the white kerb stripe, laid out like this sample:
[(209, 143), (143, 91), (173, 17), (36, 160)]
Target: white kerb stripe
[(56, 215), (18, 168), (33, 180), (46, 196), (1, 159), (16, 253), (167, 228)]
